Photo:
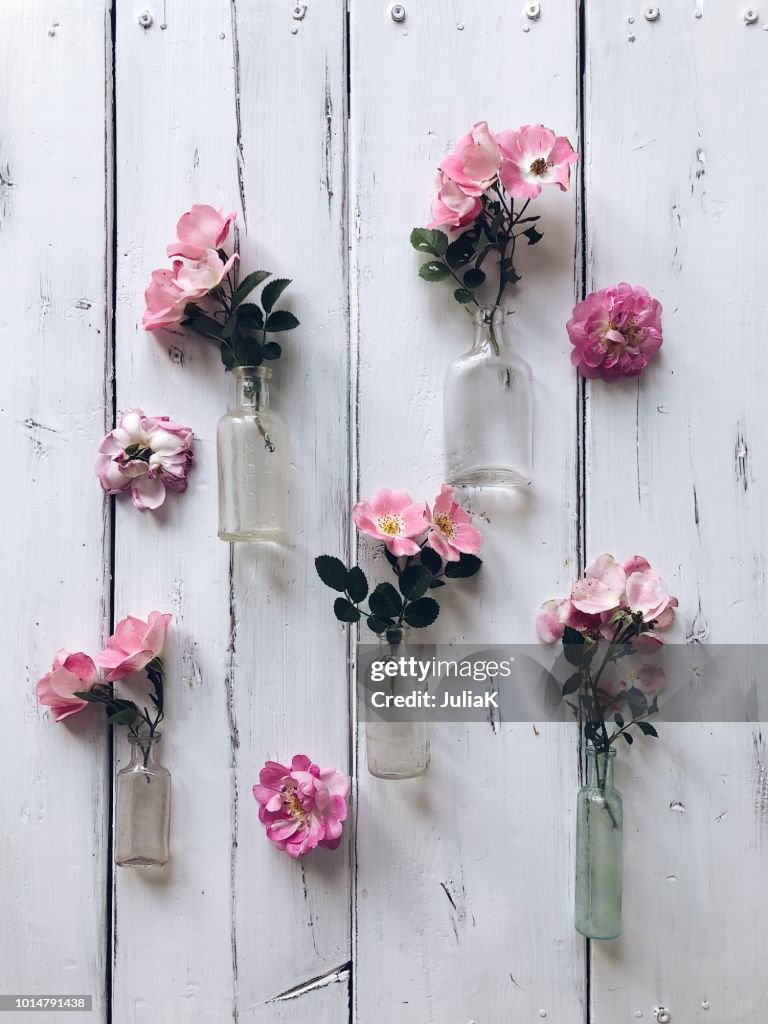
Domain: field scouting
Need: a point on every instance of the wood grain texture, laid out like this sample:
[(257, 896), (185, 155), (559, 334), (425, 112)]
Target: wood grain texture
[(54, 523), (674, 471), (464, 914), (254, 670)]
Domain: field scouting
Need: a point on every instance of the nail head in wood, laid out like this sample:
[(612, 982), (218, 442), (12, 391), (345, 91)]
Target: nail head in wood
[(146, 19), (397, 12), (750, 15), (651, 13), (533, 11)]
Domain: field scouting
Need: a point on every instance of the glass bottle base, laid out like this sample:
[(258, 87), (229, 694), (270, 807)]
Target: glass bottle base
[(396, 776), (589, 933), (489, 476), (140, 862), (255, 537)]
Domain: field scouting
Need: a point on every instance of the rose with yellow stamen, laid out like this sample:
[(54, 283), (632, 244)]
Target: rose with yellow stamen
[(393, 517), (451, 532)]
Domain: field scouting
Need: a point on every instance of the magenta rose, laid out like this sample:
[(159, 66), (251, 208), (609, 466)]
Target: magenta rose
[(615, 332), (303, 806)]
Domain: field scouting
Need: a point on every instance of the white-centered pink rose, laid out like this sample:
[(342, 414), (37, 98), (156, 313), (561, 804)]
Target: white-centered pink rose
[(533, 156), (451, 532), (70, 673), (302, 806), (199, 229), (391, 516), (147, 455), (133, 645)]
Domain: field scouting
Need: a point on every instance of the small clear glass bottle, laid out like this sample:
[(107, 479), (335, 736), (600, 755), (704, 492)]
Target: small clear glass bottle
[(253, 463), (397, 749), (488, 410), (142, 807), (599, 849)]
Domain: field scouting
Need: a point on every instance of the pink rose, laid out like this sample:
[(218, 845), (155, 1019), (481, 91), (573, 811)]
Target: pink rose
[(149, 455), (451, 206), (133, 645), (602, 587), (474, 163), (391, 516), (451, 533), (651, 679), (647, 596), (169, 291), (534, 156), (70, 673), (615, 332), (302, 806), (199, 229)]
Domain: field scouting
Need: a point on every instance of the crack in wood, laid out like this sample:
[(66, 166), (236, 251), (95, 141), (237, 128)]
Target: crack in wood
[(334, 977), (238, 119)]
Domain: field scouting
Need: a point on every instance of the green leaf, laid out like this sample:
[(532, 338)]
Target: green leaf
[(414, 582), (463, 295), (474, 278), (647, 729), (204, 325), (125, 717), (619, 720), (357, 584), (271, 350), (422, 613), (431, 559), (344, 611), (332, 572), (250, 315), (572, 684), (466, 566), (377, 625), (247, 285), (281, 319), (533, 235), (433, 271), (230, 326), (227, 356), (483, 253), (92, 697), (433, 242), (628, 738), (460, 252), (436, 583), (272, 293), (573, 646), (385, 602), (636, 699)]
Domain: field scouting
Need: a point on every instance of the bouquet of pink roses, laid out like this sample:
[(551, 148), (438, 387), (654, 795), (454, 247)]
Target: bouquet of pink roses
[(476, 189)]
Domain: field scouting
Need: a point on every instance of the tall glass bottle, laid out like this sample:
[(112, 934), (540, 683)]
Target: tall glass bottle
[(599, 847), (253, 462), (488, 410), (142, 807), (397, 749)]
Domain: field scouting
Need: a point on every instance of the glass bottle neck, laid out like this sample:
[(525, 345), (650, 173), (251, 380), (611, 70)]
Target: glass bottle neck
[(252, 387), (393, 641), (600, 768), (490, 329), (143, 749)]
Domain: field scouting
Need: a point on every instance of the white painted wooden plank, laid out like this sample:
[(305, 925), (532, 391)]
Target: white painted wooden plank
[(289, 681), (675, 472), (54, 524), (174, 954), (464, 882), (255, 672)]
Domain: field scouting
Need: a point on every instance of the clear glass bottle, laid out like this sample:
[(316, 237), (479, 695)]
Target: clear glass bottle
[(142, 807), (599, 847), (397, 749), (253, 463), (488, 410)]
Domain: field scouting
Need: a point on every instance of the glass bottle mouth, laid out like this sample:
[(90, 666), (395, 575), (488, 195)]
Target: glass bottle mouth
[(594, 752), (252, 372), (143, 739), (490, 316)]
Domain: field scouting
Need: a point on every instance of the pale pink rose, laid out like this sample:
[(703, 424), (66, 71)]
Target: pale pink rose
[(70, 673), (601, 589), (474, 163), (149, 455), (551, 620), (615, 332), (199, 229), (647, 596), (202, 276), (534, 156), (391, 516), (651, 679), (303, 806), (608, 689), (451, 532), (164, 299), (133, 645), (636, 564), (451, 206)]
